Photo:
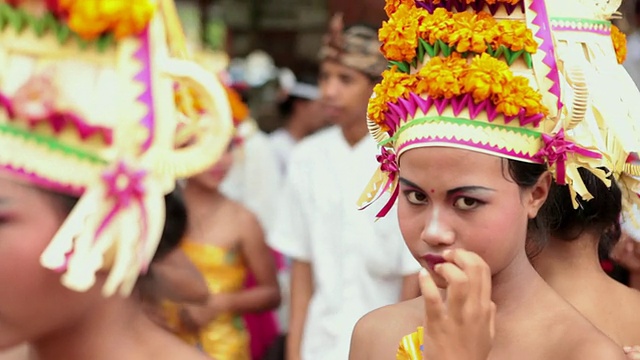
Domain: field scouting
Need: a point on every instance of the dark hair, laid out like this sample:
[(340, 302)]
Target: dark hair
[(637, 8), (175, 224), (526, 175), (600, 214)]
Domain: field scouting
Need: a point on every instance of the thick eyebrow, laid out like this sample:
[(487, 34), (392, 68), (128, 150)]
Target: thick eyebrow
[(467, 189), (409, 183), (449, 192)]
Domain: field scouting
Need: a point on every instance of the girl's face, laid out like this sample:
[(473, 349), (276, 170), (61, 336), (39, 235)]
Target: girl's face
[(33, 302), (454, 198), (213, 177)]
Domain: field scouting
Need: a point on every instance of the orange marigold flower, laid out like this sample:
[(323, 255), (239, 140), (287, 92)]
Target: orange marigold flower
[(92, 18), (517, 95), (442, 77), (392, 5), (619, 43), (435, 26), (394, 85), (399, 35), (513, 35), (485, 77), (469, 32)]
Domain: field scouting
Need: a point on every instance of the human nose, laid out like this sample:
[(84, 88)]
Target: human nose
[(437, 232), (330, 88)]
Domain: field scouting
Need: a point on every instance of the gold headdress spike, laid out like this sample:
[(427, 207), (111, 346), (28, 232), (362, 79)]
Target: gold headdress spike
[(100, 88)]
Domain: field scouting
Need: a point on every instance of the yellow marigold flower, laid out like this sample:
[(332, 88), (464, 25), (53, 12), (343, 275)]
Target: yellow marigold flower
[(619, 43), (518, 94), (92, 18), (485, 77), (399, 35), (436, 26), (134, 20), (392, 5), (513, 35), (394, 85), (469, 32), (442, 77)]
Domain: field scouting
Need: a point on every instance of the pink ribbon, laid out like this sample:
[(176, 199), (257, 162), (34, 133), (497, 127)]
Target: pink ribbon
[(388, 165), (555, 151), (124, 186)]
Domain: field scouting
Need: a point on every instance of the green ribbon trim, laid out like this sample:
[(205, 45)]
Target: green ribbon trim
[(581, 21), (460, 121), (440, 47), (19, 20), (52, 143)]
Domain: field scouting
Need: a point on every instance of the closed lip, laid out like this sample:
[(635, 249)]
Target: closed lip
[(433, 259)]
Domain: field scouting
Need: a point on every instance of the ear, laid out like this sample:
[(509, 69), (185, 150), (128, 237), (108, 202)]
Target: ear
[(537, 194)]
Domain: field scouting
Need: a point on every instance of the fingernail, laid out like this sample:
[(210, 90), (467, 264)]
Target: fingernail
[(437, 267), (446, 253)]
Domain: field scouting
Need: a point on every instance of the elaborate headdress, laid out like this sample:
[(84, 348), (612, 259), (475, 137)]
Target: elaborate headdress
[(87, 108), (512, 78), (356, 47)]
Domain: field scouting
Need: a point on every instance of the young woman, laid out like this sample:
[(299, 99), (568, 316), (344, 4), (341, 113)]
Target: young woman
[(225, 241), (468, 140), (569, 261), (87, 128)]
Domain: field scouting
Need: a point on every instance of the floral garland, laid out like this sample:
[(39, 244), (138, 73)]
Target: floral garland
[(91, 19), (619, 43), (484, 78), (410, 29)]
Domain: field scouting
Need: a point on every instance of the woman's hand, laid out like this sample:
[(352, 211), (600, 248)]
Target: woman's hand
[(461, 327)]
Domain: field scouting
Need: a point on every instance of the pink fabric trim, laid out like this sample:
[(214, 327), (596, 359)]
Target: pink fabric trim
[(59, 120), (144, 77), (546, 45), (42, 182), (502, 152)]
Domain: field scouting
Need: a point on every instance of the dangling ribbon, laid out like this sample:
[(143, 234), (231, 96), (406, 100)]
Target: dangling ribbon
[(564, 158), (384, 179)]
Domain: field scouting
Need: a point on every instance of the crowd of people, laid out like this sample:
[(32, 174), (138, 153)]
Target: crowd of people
[(462, 182)]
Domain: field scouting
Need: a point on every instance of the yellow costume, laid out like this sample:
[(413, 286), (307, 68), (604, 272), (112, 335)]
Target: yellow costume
[(224, 338)]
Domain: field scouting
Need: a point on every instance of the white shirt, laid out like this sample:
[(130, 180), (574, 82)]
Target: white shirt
[(632, 63), (254, 179), (283, 144), (358, 264)]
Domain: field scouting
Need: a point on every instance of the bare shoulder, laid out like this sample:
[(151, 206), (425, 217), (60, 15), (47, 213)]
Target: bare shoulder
[(584, 343), (596, 350), (241, 217), (377, 335)]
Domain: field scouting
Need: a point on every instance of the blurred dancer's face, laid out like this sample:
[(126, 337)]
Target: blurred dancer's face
[(345, 93), (33, 302), (213, 177)]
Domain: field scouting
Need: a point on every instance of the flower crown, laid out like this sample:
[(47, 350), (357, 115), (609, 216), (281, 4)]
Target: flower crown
[(485, 76), (86, 108)]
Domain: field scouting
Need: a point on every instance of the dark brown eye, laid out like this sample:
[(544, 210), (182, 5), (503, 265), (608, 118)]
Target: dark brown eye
[(465, 203), (415, 197)]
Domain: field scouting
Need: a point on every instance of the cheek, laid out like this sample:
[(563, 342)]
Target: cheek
[(498, 237), (411, 225), (37, 302)]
